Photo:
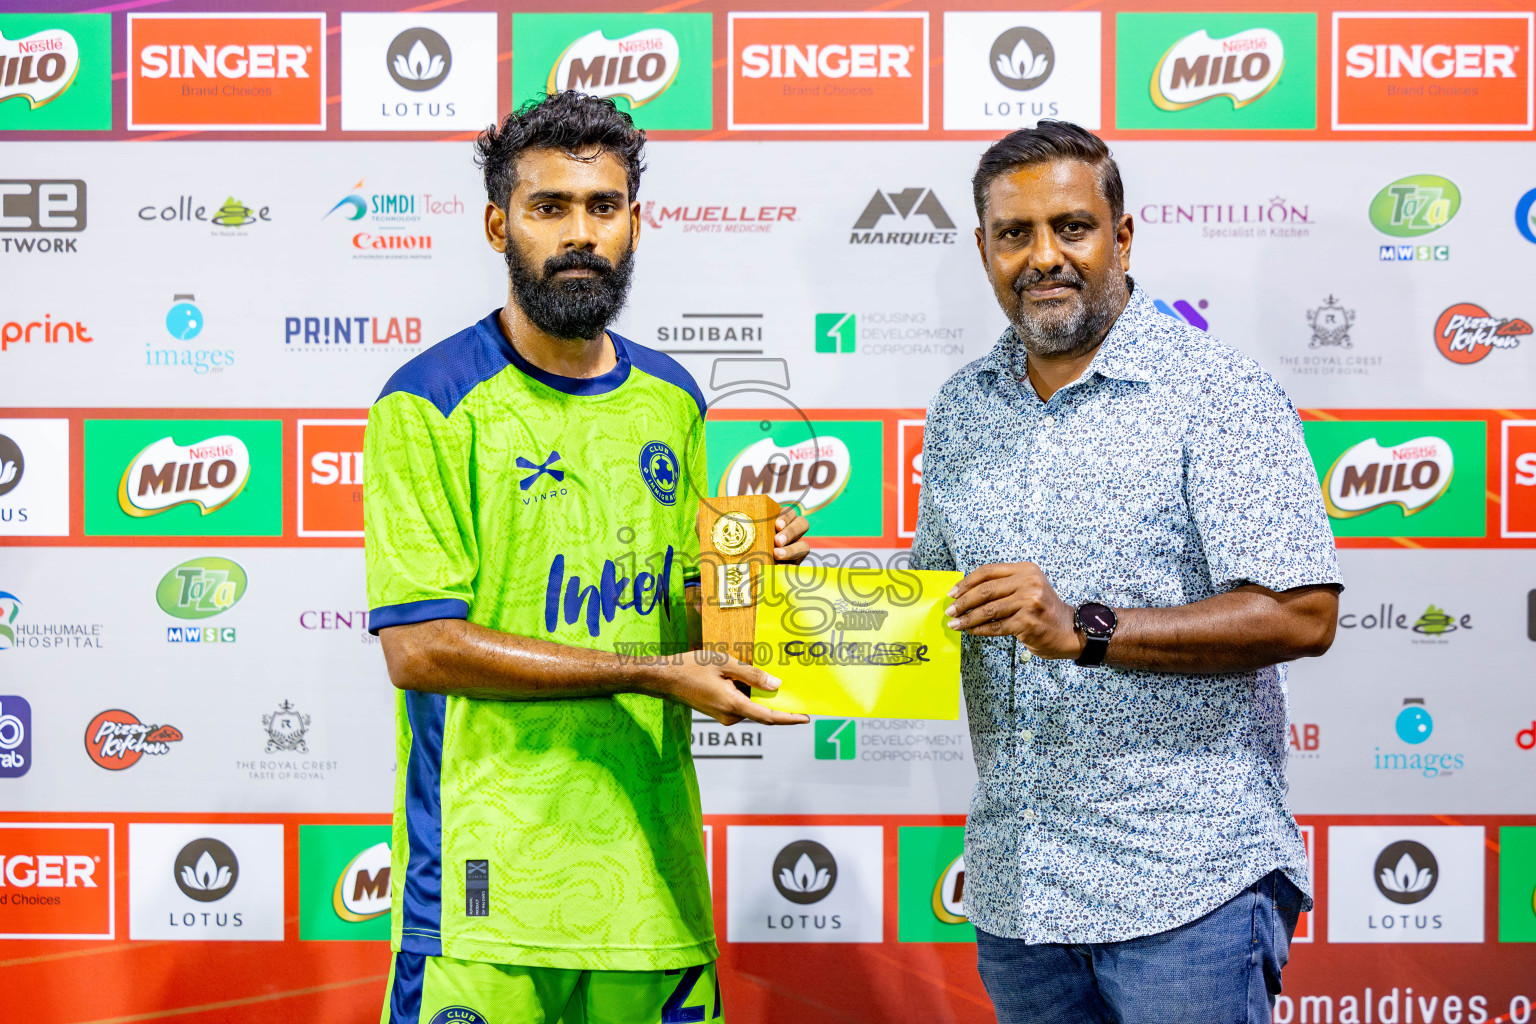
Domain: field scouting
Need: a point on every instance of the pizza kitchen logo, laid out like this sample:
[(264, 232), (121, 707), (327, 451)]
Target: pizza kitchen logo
[(1466, 333), (209, 474), (1197, 68), (116, 739), (1412, 475)]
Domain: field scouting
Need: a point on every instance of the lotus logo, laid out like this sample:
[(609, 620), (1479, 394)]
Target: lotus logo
[(1369, 475), (804, 872), (418, 59), (1022, 58), (1406, 872), (206, 870), (40, 66), (11, 465), (1241, 67)]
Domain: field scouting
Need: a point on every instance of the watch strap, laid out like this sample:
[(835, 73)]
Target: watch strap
[(1094, 650)]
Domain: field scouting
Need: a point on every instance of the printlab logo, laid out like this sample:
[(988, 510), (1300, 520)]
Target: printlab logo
[(206, 870), (1406, 872), (1466, 333), (909, 201), (55, 72), (1330, 323), (1306, 740), (346, 333), (805, 872), (836, 739), (1183, 309), (32, 206), (12, 465), (418, 59), (285, 728), (15, 737), (116, 739), (1022, 58)]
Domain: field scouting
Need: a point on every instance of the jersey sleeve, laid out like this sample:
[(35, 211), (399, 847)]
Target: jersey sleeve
[(696, 473), (418, 521)]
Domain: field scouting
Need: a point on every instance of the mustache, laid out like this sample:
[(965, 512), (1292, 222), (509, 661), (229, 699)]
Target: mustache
[(1066, 275), (577, 259)]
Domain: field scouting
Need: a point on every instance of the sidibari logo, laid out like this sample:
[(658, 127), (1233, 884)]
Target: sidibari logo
[(206, 870), (209, 474), (1415, 205), (1242, 67), (1368, 476), (949, 893), (1465, 333), (201, 588), (1406, 872), (116, 739), (362, 888), (638, 67), (1022, 58), (38, 67), (805, 872), (810, 474)]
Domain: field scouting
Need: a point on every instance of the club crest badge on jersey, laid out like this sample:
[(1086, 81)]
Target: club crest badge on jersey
[(457, 1015), (659, 468)]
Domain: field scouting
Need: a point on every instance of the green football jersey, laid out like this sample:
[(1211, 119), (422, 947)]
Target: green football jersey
[(549, 833)]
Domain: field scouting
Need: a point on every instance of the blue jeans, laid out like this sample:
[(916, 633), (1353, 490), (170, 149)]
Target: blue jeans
[(1223, 968)]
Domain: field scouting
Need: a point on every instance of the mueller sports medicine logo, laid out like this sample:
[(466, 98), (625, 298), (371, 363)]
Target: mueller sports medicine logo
[(638, 67), (905, 206), (33, 207), (719, 219), (209, 474), (1465, 333), (230, 72), (38, 67), (1197, 68), (809, 71), (116, 739), (1368, 476), (1443, 71)]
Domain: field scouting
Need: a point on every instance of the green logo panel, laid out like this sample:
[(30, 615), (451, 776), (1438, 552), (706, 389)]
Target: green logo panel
[(1143, 41), (836, 739), (836, 332), (1459, 511), (1517, 884), (112, 445), (332, 888), (656, 67), (64, 82), (928, 881), (835, 476)]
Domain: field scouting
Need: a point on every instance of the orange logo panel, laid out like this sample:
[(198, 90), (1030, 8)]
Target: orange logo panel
[(238, 72), (844, 71), (1426, 72), (331, 478), (909, 474), (1520, 479), (55, 881)]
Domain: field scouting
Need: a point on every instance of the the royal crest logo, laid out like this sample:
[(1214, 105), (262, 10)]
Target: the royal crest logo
[(1368, 476), (1197, 68), (1466, 333), (38, 67), (638, 67), (209, 474), (285, 729), (1330, 325)]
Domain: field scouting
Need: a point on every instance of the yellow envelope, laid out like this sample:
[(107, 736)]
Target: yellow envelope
[(862, 643)]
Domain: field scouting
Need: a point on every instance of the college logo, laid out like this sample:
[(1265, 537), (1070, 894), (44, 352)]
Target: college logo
[(659, 468), (32, 205), (656, 67), (226, 72), (229, 216), (1197, 68), (1330, 325), (813, 71), (418, 59), (206, 870), (55, 72), (1204, 71), (1465, 333), (330, 484), (1432, 72), (1415, 205), (59, 880), (415, 71), (116, 739), (804, 872), (1401, 478), (163, 475), (201, 588), (285, 729), (909, 201), (1369, 475), (1517, 505), (344, 874), (15, 737)]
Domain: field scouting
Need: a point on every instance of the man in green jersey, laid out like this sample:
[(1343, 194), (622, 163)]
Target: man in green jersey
[(532, 489)]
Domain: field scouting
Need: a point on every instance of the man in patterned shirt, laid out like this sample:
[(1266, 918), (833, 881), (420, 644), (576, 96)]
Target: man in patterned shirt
[(1145, 545)]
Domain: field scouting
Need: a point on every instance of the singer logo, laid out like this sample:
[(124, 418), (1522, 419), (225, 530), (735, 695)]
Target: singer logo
[(232, 72), (56, 881), (812, 71), (1432, 72), (909, 474), (331, 478), (1518, 504), (209, 474)]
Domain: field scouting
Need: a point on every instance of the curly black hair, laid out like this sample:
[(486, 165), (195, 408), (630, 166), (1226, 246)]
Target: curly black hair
[(572, 122), (1048, 141)]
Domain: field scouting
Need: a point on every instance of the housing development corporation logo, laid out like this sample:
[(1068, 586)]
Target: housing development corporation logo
[(230, 72), (1197, 68), (1465, 333), (811, 71), (836, 739), (1444, 71), (116, 739), (55, 72)]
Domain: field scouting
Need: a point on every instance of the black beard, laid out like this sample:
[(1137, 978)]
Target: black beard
[(1046, 335), (578, 307)]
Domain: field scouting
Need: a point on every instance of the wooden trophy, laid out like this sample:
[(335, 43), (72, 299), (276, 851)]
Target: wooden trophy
[(735, 543)]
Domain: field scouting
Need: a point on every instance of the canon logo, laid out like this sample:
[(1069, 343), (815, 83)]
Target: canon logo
[(234, 61), (1383, 60), (869, 60), (47, 871)]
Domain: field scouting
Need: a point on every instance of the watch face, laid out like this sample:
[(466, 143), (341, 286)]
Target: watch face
[(1096, 618)]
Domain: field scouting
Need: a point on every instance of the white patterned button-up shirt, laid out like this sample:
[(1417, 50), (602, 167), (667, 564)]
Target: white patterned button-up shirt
[(1114, 803)]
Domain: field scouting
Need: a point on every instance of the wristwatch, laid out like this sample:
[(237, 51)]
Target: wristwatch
[(1098, 624)]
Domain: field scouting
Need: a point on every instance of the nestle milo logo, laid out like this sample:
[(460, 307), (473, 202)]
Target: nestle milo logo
[(1415, 205)]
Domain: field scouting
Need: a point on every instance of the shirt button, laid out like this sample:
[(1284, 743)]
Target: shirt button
[(1048, 421), (1028, 817), (1028, 736)]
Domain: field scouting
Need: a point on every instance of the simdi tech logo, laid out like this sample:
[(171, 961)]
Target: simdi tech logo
[(384, 225), (55, 72), (816, 70), (1216, 71), (658, 68), (208, 478), (60, 880), (344, 881), (1401, 478), (1441, 71), (418, 71), (226, 72)]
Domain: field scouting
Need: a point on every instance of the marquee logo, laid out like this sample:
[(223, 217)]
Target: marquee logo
[(1197, 68), (209, 474), (1412, 475), (1465, 333), (807, 71), (38, 67), (810, 474), (908, 202), (1449, 71), (116, 739), (230, 72), (1415, 205), (638, 67)]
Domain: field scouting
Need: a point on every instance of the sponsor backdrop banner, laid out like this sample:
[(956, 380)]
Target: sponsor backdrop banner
[(222, 227)]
